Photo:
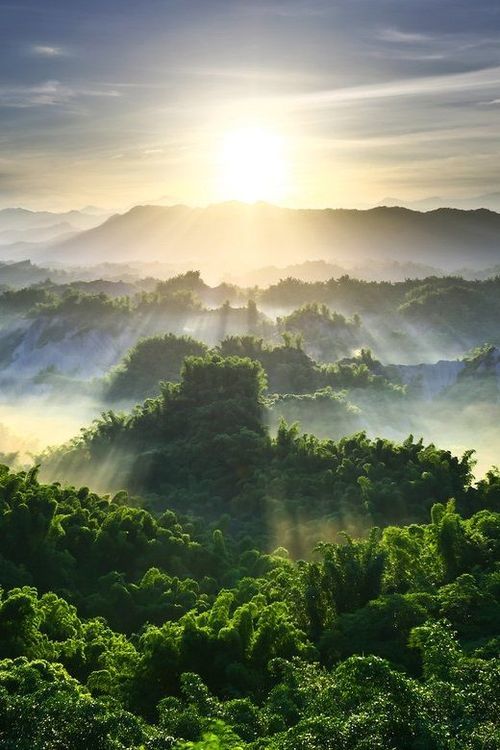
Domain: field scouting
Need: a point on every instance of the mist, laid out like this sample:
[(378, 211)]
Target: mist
[(31, 424), (70, 349), (70, 328)]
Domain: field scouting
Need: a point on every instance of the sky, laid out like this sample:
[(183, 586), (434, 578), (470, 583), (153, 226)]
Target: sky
[(315, 102)]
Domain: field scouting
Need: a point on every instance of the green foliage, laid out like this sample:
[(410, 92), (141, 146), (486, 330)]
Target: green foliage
[(330, 412), (15, 301), (152, 360), (115, 560), (203, 445), (41, 706), (387, 641), (85, 307), (168, 622), (326, 333)]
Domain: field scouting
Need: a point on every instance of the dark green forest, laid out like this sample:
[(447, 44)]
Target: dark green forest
[(226, 558), (203, 444), (407, 319), (171, 615), (121, 628)]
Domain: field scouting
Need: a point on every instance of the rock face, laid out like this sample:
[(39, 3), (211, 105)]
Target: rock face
[(33, 352), (75, 347), (430, 380), (87, 353)]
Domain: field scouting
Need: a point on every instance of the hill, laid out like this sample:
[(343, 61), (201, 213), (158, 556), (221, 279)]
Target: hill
[(22, 219), (127, 627), (320, 270), (204, 445), (490, 201), (238, 236)]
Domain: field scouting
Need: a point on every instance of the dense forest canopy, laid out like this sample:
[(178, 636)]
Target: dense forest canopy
[(119, 628), (248, 548), (203, 445)]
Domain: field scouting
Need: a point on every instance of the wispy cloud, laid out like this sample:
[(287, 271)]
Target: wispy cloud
[(47, 94), (423, 86), (402, 37), (358, 88), (42, 50), (465, 47)]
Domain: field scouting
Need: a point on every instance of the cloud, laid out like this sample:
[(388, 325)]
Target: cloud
[(463, 46), (423, 86), (41, 50), (47, 94), (402, 37)]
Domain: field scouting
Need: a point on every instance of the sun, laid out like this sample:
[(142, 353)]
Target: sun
[(252, 165)]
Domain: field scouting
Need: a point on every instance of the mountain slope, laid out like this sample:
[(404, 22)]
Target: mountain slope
[(240, 235), (22, 219), (491, 201), (60, 231)]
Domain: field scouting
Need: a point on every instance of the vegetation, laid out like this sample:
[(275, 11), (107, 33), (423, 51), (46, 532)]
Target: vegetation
[(122, 629), (246, 585), (202, 447), (148, 363), (328, 334), (19, 301), (288, 369), (328, 320)]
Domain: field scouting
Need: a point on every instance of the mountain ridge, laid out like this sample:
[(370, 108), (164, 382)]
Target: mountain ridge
[(244, 236), (236, 233)]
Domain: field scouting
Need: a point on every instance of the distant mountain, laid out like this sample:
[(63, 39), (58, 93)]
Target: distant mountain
[(234, 237), (18, 251), (490, 201), (320, 270), (310, 270), (96, 211), (22, 219), (22, 274), (37, 234)]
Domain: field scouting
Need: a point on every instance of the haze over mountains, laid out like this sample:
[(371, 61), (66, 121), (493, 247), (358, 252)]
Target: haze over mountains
[(490, 201), (238, 237), (22, 225)]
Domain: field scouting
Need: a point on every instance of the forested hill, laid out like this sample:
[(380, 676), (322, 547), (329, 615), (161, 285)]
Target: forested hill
[(446, 237), (125, 630), (172, 616), (202, 448)]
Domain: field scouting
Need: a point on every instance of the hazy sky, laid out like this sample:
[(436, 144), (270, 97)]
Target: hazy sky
[(114, 102)]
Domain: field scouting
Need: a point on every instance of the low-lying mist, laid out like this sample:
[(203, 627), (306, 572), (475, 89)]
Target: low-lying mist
[(29, 425), (340, 355)]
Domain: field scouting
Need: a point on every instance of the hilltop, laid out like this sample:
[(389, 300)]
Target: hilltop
[(244, 236)]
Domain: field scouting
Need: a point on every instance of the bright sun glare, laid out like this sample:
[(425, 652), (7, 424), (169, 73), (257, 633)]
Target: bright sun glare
[(252, 165)]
